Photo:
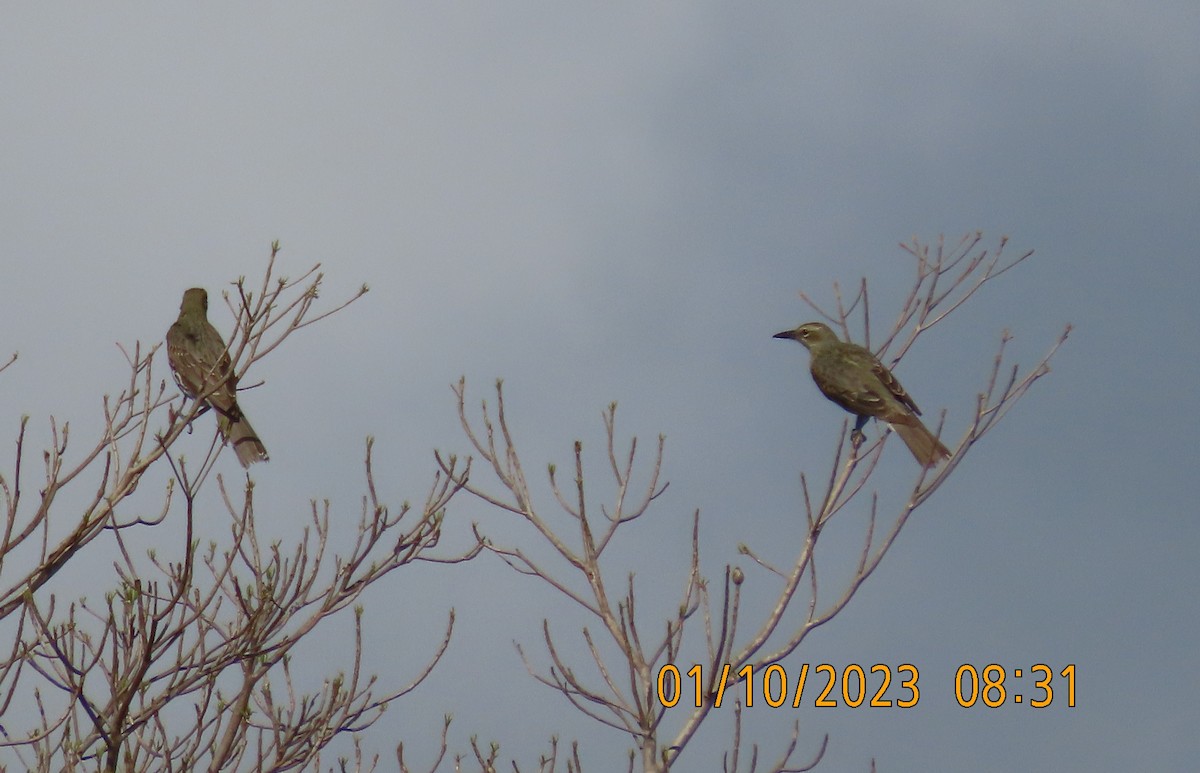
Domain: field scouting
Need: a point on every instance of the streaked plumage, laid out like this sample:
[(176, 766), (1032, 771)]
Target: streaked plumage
[(201, 362), (852, 377)]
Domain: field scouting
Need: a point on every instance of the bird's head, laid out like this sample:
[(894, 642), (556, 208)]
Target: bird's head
[(810, 333), (195, 301)]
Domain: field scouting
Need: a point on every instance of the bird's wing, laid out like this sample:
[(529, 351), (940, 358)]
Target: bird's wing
[(893, 386), (198, 357), (846, 378)]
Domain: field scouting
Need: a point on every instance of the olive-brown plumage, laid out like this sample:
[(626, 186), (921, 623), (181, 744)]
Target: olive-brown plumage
[(855, 379), (202, 368)]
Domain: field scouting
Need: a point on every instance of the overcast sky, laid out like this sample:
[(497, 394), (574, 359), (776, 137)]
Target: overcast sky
[(623, 204)]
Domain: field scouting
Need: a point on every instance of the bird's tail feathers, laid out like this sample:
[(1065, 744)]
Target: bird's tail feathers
[(239, 434), (926, 448)]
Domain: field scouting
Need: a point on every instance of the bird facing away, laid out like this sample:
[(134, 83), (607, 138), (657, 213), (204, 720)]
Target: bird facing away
[(202, 368), (852, 377)]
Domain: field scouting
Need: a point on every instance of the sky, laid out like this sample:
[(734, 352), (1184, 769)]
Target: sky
[(623, 203)]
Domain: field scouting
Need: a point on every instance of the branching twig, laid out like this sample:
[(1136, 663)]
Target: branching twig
[(944, 280)]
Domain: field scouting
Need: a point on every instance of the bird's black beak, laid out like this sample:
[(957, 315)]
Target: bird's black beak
[(786, 334)]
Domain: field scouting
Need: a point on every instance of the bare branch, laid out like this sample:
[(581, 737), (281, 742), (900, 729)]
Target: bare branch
[(944, 279), (187, 663)]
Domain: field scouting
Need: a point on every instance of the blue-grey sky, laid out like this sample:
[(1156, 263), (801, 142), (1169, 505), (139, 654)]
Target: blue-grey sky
[(623, 203)]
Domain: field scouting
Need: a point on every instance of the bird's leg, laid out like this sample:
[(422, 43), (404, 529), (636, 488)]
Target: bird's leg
[(857, 438), (203, 410)]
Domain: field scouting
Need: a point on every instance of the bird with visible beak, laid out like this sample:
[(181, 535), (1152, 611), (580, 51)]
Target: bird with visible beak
[(851, 376)]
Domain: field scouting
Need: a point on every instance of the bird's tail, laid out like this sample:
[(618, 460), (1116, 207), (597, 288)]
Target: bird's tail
[(239, 434), (926, 448)]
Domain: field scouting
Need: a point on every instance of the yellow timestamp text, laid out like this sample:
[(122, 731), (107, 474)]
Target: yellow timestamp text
[(880, 686), (994, 685), (850, 686)]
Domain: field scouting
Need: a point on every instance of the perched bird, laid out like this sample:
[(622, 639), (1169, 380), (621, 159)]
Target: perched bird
[(202, 368), (852, 377)]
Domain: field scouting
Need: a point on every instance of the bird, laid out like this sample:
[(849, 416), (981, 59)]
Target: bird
[(202, 369), (852, 377)]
